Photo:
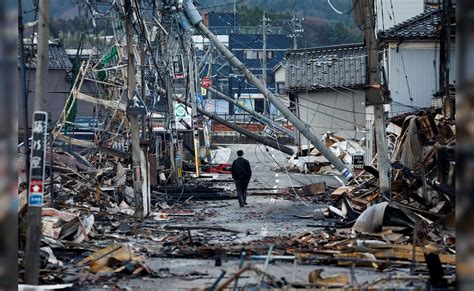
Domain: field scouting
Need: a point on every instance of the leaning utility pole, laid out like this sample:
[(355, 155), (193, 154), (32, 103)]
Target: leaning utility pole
[(40, 118), (132, 118), (257, 137), (255, 114), (196, 20), (264, 62), (375, 98)]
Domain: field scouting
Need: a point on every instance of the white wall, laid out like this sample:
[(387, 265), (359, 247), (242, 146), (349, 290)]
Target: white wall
[(342, 113), (280, 75), (413, 74)]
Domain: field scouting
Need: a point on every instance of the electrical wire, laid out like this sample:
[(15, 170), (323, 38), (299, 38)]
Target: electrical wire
[(95, 11), (340, 12)]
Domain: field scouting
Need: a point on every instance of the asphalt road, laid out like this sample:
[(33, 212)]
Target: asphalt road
[(264, 160)]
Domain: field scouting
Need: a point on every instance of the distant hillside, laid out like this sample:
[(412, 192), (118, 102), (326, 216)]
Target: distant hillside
[(323, 26), (308, 8)]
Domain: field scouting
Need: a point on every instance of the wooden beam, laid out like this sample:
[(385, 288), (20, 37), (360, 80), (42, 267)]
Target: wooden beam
[(106, 103)]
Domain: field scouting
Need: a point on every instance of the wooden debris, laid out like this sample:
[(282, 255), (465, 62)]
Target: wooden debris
[(333, 281)]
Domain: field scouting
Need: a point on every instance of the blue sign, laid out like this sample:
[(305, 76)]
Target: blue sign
[(35, 199), (199, 98)]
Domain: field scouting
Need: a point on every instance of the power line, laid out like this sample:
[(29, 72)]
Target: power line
[(340, 12)]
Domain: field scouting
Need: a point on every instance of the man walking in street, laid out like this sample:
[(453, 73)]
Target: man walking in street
[(241, 173)]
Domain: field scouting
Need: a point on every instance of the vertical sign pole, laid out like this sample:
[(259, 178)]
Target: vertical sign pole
[(39, 130), (35, 198)]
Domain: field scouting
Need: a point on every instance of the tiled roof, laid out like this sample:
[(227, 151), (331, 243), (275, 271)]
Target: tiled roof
[(324, 67), (57, 57), (424, 26)]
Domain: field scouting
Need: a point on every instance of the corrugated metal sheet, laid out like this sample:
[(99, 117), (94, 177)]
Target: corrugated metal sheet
[(413, 77), (337, 66)]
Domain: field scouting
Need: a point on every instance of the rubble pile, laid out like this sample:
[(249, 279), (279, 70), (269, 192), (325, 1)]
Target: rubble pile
[(312, 161), (90, 233)]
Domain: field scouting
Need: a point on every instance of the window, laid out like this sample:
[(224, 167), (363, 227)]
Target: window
[(250, 54), (257, 54), (270, 54)]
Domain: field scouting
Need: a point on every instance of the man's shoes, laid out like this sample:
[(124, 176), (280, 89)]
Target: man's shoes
[(245, 203), (241, 205)]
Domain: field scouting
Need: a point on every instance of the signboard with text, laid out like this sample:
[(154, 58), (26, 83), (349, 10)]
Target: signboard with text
[(358, 162), (38, 155), (178, 67)]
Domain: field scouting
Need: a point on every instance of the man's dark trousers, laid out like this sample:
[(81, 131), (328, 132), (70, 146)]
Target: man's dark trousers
[(241, 187)]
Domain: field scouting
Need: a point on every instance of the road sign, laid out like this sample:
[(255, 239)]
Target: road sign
[(136, 106), (180, 110), (38, 155), (206, 82), (199, 98)]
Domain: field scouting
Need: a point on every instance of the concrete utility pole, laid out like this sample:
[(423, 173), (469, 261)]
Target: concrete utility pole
[(167, 91), (293, 28), (196, 20), (132, 118), (445, 59), (375, 98), (192, 91), (33, 233), (296, 30), (264, 62), (207, 125)]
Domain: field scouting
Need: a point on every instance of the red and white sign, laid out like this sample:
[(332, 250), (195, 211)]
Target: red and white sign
[(36, 186), (206, 82)]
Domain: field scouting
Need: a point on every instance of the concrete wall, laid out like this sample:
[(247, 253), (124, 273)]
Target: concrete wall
[(342, 113)]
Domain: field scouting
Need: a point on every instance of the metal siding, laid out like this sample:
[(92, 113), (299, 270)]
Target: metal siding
[(338, 114), (422, 76)]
